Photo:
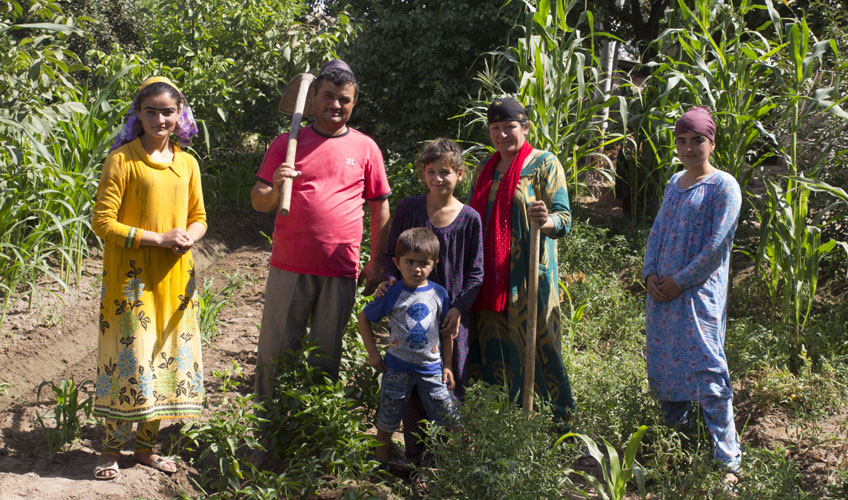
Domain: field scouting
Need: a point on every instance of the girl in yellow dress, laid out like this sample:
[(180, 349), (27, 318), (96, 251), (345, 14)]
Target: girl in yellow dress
[(149, 213)]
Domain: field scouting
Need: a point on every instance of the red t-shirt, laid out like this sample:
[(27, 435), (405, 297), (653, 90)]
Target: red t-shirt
[(322, 233)]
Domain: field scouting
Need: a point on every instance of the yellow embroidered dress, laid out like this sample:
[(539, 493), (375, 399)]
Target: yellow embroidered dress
[(149, 360)]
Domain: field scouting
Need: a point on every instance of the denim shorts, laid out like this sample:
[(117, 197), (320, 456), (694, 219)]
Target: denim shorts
[(394, 393)]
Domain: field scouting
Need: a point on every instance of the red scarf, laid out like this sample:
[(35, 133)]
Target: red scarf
[(496, 238)]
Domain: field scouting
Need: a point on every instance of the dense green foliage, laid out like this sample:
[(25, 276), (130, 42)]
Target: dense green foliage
[(416, 64)]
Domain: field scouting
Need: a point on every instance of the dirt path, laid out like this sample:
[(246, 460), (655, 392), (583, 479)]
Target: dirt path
[(56, 339)]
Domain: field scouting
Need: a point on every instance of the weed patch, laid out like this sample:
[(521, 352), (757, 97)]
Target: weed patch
[(213, 301), (66, 412)]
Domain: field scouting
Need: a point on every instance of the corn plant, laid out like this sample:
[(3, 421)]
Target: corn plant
[(707, 56), (620, 471), (66, 412), (572, 319), (555, 71), (730, 67), (790, 247), (54, 134)]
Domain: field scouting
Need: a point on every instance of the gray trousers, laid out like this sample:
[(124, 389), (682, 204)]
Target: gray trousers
[(292, 302)]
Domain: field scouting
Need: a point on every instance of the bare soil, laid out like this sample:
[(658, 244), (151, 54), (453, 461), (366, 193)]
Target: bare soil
[(54, 338)]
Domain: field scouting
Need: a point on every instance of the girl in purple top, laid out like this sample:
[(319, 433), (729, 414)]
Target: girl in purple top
[(460, 267)]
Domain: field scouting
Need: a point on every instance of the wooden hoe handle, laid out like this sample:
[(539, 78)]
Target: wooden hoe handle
[(532, 315), (291, 150)]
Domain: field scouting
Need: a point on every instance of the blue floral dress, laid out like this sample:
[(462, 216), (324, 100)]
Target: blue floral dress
[(691, 241)]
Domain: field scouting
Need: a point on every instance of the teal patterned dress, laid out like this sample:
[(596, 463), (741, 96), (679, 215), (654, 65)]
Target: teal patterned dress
[(496, 347)]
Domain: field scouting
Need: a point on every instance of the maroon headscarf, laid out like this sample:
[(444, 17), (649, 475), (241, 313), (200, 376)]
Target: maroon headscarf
[(698, 120)]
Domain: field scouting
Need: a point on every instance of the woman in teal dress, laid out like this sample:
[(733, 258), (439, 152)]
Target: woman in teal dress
[(514, 186)]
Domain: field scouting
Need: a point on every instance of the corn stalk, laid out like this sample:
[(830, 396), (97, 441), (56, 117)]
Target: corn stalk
[(54, 135), (790, 246), (555, 72)]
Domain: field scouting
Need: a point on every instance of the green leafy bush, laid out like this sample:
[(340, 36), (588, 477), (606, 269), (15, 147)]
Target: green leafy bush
[(226, 437), (314, 429), (591, 248), (499, 452)]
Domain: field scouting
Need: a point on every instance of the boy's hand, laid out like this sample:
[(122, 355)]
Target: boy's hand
[(384, 287), (375, 360), (447, 378), (450, 325)]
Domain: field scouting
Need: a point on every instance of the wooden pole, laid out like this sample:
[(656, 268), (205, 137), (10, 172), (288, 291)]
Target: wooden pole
[(291, 150), (532, 316)]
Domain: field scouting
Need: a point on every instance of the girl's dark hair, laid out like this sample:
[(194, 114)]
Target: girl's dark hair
[(441, 149), (155, 89)]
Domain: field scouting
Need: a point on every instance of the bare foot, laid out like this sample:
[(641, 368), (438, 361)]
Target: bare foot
[(153, 460)]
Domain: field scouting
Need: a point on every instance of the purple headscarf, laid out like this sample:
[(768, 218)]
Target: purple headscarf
[(697, 120), (186, 126), (335, 64)]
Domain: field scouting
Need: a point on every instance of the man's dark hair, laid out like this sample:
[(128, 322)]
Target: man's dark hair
[(338, 77), (417, 240)]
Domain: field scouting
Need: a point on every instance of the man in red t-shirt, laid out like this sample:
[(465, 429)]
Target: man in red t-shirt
[(315, 256)]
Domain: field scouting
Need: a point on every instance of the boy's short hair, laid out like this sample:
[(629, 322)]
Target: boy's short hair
[(417, 240)]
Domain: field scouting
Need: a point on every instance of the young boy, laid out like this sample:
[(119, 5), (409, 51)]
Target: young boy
[(417, 355)]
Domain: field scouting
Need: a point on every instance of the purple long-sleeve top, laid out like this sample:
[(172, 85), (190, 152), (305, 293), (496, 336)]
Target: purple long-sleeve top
[(460, 267)]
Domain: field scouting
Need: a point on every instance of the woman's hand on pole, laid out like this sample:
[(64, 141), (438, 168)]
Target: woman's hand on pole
[(538, 213)]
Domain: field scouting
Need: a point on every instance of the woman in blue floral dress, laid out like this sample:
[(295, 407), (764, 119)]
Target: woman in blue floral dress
[(686, 272)]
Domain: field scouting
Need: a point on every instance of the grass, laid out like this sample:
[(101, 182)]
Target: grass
[(213, 301), (501, 452)]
